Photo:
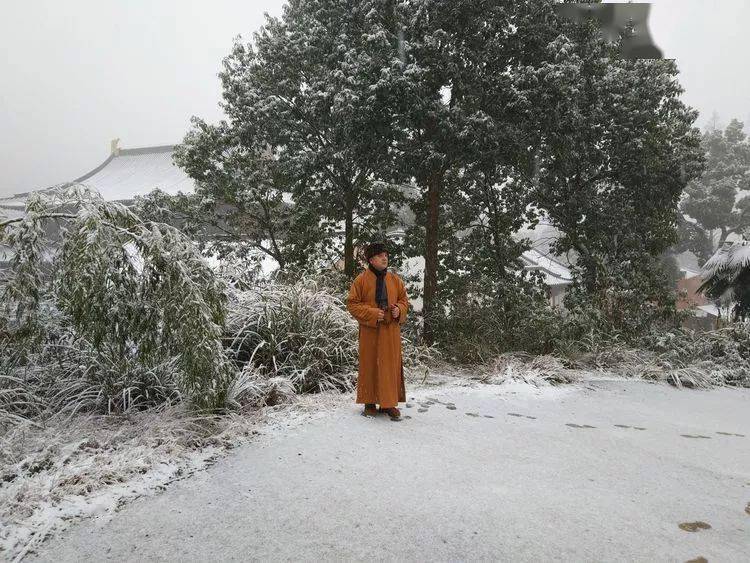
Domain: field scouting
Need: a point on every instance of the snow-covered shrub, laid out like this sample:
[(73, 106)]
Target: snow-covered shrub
[(699, 359), (679, 356), (23, 286), (251, 388), (145, 294), (142, 311), (296, 331), (521, 366)]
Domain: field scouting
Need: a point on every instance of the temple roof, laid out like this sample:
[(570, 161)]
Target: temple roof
[(131, 172), (126, 173)]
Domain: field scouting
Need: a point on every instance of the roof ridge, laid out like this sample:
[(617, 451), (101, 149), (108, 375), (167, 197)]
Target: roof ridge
[(94, 171), (156, 149), (146, 150)]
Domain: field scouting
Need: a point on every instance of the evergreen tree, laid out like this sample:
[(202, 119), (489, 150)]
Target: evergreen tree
[(315, 89), (466, 136), (716, 199), (615, 151)]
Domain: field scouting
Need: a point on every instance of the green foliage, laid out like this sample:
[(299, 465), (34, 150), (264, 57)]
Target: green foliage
[(494, 113), (629, 297), (487, 320), (616, 149)]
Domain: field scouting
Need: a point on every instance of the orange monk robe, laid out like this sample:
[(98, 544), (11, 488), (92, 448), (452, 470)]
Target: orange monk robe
[(381, 369)]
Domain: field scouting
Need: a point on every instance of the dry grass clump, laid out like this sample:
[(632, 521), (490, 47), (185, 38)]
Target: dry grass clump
[(521, 366), (700, 375), (298, 331), (680, 357), (685, 358), (250, 388)]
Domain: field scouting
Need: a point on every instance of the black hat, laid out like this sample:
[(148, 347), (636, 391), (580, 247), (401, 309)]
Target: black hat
[(374, 248)]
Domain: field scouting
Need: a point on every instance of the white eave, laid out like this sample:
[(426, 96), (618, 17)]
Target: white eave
[(554, 272)]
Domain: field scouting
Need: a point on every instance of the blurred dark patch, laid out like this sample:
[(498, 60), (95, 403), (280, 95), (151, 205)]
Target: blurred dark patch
[(629, 21)]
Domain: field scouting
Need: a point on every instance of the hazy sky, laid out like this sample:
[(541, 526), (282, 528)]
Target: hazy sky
[(78, 73)]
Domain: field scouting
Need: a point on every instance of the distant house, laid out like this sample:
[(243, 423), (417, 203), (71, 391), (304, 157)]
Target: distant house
[(125, 173)]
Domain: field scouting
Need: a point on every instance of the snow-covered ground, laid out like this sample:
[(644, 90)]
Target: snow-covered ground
[(601, 469)]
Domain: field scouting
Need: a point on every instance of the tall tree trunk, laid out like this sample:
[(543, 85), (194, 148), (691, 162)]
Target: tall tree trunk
[(434, 185), (722, 238), (349, 265)]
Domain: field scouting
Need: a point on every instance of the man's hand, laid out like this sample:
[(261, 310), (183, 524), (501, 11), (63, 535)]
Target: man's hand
[(395, 311), (381, 314)]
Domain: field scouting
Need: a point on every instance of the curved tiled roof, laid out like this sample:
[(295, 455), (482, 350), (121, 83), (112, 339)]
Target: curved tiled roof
[(554, 272), (132, 172), (123, 175)]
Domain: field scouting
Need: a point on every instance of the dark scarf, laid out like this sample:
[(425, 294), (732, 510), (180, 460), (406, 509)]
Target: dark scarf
[(381, 292)]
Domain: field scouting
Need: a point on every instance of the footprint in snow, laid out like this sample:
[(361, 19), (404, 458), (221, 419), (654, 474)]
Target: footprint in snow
[(578, 425), (694, 526)]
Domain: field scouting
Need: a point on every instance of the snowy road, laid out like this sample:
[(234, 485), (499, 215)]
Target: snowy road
[(603, 470)]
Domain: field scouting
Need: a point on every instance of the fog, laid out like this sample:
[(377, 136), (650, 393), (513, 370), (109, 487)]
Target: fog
[(79, 73)]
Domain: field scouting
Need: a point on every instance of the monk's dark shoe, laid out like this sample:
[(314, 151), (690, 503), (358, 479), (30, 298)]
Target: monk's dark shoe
[(370, 410), (393, 412)]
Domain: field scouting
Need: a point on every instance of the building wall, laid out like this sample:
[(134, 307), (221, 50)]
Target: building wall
[(556, 295), (688, 293)]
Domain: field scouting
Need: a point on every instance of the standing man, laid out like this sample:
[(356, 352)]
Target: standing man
[(378, 300)]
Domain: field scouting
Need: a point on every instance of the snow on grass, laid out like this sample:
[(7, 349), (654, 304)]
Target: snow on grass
[(91, 466), (538, 371)]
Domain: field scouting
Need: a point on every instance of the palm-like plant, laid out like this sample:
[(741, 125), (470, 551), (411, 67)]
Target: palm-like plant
[(727, 274)]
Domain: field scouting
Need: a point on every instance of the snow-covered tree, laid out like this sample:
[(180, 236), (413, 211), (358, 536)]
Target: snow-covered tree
[(716, 199), (615, 150), (727, 274), (307, 110), (466, 135)]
